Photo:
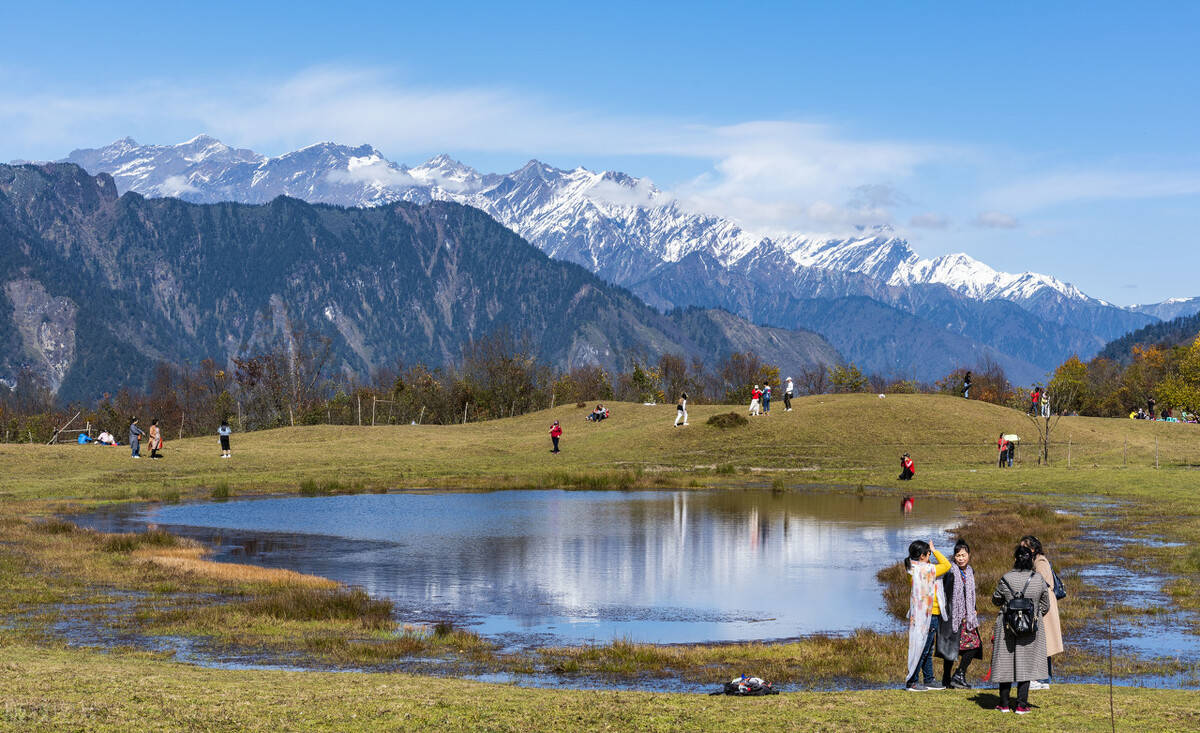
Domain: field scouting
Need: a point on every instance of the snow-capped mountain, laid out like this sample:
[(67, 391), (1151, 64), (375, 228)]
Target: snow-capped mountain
[(629, 232)]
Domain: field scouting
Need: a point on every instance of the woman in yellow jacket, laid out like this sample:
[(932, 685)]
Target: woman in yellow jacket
[(924, 611)]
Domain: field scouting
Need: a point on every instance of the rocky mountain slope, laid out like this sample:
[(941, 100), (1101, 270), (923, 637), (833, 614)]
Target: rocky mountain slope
[(630, 233), (98, 286)]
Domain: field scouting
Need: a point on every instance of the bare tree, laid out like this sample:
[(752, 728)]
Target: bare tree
[(1046, 420)]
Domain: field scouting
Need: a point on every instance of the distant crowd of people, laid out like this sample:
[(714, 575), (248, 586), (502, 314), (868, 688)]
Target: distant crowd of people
[(153, 437)]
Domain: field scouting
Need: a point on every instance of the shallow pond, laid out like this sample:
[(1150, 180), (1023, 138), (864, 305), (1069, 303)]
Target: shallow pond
[(535, 567)]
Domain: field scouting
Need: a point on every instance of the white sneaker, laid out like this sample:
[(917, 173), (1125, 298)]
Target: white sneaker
[(1037, 685)]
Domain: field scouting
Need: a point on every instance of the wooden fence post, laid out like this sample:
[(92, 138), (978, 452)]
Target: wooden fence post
[(1156, 451), (1068, 451), (374, 400), (421, 417), (360, 410), (1125, 453), (465, 406)]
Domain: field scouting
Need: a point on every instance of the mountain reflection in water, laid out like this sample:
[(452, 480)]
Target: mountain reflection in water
[(571, 566)]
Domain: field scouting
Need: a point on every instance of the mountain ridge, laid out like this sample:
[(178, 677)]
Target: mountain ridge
[(98, 286), (625, 229)]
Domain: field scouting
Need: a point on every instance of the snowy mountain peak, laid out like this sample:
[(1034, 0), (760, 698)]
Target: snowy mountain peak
[(617, 225)]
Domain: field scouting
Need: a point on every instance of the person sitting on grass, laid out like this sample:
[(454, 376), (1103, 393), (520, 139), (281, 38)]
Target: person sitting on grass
[(105, 438), (908, 469)]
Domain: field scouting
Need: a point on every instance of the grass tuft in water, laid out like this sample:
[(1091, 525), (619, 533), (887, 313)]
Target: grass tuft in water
[(128, 542), (316, 604), (54, 526)]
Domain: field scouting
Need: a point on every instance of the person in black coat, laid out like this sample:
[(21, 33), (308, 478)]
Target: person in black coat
[(959, 626)]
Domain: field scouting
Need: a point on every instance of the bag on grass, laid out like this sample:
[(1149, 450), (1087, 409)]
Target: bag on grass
[(747, 687), (1020, 613)]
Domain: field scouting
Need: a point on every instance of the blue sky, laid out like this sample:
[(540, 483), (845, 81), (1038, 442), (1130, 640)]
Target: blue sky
[(1062, 139)]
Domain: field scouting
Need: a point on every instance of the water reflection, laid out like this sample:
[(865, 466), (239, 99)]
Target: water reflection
[(572, 566)]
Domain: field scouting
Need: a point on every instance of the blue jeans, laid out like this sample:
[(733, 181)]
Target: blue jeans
[(926, 665), (135, 448)]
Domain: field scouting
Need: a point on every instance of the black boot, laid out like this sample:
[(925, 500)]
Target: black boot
[(959, 681)]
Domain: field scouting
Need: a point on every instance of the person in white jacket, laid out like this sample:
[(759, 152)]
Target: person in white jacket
[(681, 410), (788, 393)]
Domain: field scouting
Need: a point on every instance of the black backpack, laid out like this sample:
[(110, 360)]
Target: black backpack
[(1020, 613)]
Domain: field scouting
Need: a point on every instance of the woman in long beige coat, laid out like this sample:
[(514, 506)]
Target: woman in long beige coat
[(1054, 641)]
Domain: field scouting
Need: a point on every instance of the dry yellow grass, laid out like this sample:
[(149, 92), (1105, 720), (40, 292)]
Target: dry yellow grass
[(190, 561)]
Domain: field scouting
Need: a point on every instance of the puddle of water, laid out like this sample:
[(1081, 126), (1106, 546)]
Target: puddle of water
[(575, 566)]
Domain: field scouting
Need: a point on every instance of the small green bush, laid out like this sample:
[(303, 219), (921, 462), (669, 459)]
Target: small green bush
[(221, 490), (726, 420)]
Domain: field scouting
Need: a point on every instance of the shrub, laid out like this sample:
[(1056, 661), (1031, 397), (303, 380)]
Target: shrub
[(727, 420), (221, 490)]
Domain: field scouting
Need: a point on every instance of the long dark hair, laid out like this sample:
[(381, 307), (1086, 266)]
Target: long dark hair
[(1033, 543), (1022, 558), (916, 550)]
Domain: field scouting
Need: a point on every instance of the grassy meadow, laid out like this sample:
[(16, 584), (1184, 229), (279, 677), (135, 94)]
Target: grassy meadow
[(51, 570)]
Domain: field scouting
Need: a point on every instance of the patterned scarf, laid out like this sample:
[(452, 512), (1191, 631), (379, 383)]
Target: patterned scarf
[(964, 599), (920, 601)]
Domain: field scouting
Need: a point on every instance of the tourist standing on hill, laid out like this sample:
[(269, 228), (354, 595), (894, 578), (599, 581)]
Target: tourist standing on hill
[(223, 433), (908, 469), (1034, 398), (766, 399), (555, 434), (1054, 640), (155, 439), (1020, 659), (1002, 444), (755, 394), (681, 410), (1150, 406), (788, 393), (924, 613), (966, 388), (135, 439), (958, 630)]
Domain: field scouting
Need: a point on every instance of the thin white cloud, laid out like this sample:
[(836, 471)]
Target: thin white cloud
[(1056, 189), (764, 173), (995, 220), (640, 193), (176, 186), (929, 220), (377, 172)]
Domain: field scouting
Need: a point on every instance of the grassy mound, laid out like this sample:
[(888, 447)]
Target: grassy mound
[(726, 420)]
